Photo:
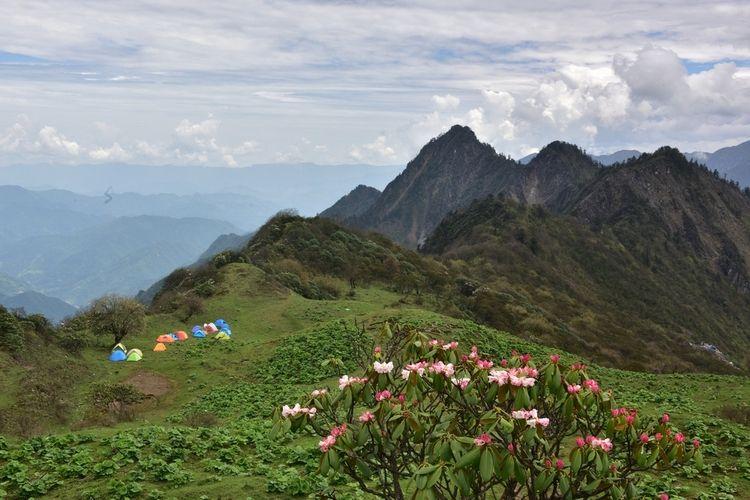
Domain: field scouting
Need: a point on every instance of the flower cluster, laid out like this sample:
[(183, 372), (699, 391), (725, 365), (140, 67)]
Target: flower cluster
[(383, 367), (319, 392), (441, 368), (286, 411), (531, 417), (417, 368), (461, 383), (595, 442), (330, 440), (346, 381), (591, 385), (518, 377), (482, 440)]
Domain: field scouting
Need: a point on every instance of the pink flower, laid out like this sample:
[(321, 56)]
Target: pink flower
[(383, 395), (696, 443), (503, 363), (679, 437), (401, 398), (590, 439), (630, 419), (319, 392), (531, 417), (658, 436), (450, 346), (499, 377), (511, 449), (547, 463), (346, 381), (327, 443), (665, 418), (525, 358), (518, 377), (338, 431), (591, 385), (474, 353), (378, 350), (366, 417), (441, 368), (663, 496), (580, 442), (286, 411), (604, 444), (434, 342), (644, 438), (383, 367), (555, 358), (560, 465), (574, 389), (417, 368), (484, 364), (461, 383), (482, 440)]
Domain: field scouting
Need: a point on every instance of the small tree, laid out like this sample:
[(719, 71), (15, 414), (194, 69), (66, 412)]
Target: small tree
[(116, 316), (425, 421)]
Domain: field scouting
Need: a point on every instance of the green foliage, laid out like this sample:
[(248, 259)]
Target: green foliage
[(300, 359), (104, 394), (11, 333)]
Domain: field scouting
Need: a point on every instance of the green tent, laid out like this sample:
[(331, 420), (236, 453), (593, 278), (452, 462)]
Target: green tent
[(135, 355), (222, 336)]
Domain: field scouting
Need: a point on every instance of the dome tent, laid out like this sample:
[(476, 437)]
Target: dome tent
[(210, 328), (160, 347), (222, 336), (165, 339), (118, 355), (120, 347), (135, 355), (181, 336), (198, 332), (221, 324), (226, 330)]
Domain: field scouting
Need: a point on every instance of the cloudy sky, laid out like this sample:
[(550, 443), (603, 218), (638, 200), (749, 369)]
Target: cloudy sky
[(228, 83)]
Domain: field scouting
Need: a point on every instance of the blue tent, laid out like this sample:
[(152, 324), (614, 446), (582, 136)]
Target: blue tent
[(221, 324), (197, 328), (199, 334), (118, 355), (226, 330)]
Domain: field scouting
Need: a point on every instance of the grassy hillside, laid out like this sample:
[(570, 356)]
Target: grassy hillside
[(192, 421)]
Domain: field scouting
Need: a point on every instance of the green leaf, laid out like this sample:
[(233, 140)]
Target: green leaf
[(435, 477), (575, 461), (470, 458), (399, 430), (486, 464)]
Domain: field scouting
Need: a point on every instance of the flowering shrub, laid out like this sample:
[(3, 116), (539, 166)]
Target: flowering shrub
[(426, 421)]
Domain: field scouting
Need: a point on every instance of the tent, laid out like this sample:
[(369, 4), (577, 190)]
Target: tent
[(165, 339), (117, 355), (135, 355), (159, 347), (210, 328), (180, 335), (119, 347), (199, 334), (222, 336), (221, 324), (226, 330)]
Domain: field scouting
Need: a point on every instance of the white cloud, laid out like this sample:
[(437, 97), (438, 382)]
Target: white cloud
[(446, 102), (112, 153), (51, 140), (377, 151)]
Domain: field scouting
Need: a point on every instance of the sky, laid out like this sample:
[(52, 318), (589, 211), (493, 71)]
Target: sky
[(235, 83)]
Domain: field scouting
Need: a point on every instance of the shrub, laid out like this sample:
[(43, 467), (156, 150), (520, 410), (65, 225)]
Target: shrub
[(11, 334), (426, 421)]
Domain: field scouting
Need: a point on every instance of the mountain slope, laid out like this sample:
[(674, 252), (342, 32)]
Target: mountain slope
[(37, 303), (353, 204), (121, 256), (651, 256)]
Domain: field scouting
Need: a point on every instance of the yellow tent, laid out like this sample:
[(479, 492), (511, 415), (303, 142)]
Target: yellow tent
[(160, 347)]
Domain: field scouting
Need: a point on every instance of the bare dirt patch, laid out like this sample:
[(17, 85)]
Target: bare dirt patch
[(150, 383)]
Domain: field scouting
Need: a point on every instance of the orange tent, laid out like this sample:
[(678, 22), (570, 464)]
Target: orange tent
[(181, 335), (166, 339), (160, 347)]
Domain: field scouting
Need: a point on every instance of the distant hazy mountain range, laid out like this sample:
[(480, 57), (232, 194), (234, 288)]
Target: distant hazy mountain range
[(76, 248), (308, 188), (732, 161)]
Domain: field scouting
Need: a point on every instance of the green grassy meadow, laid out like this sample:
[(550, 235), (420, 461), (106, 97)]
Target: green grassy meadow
[(204, 432)]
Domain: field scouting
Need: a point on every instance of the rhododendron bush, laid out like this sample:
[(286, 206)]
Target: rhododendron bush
[(425, 420)]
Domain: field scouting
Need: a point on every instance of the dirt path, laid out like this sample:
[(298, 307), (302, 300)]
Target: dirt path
[(150, 383)]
